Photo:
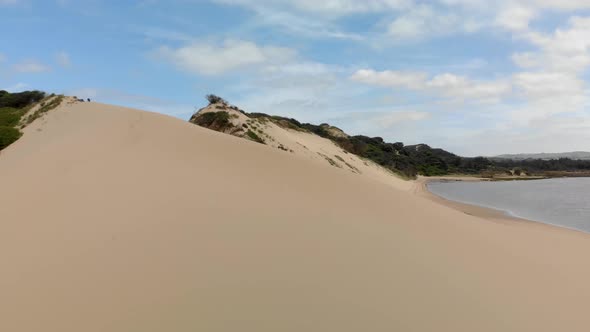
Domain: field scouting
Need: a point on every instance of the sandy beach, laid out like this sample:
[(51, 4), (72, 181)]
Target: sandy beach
[(116, 219)]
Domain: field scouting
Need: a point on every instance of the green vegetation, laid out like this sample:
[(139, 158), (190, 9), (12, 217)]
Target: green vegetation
[(8, 135), (253, 136), (20, 99), (44, 108), (213, 99), (279, 120), (219, 121), (10, 117), (12, 108), (540, 167)]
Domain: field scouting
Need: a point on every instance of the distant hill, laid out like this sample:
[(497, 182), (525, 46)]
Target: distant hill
[(577, 155)]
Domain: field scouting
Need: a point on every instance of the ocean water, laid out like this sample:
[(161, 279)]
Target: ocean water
[(561, 202)]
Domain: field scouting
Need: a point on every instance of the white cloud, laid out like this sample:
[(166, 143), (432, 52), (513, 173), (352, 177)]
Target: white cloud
[(63, 59), (548, 84), (389, 78), (565, 5), (328, 7), (300, 25), (526, 59), (426, 21), (564, 50), (547, 94), (464, 89), (413, 19), (232, 55), (449, 85), (388, 120), (18, 87), (342, 7), (515, 17), (552, 82), (31, 66), (311, 18), (294, 89), (562, 5)]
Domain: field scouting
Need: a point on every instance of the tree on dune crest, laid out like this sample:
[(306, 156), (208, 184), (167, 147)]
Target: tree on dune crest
[(213, 99)]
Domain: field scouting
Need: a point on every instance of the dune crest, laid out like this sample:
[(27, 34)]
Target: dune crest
[(281, 135), (116, 219)]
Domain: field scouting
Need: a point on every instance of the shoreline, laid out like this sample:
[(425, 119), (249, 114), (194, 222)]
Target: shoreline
[(486, 213)]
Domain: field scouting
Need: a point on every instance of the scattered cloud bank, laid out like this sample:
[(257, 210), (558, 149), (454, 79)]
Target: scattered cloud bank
[(211, 59), (391, 119), (547, 80), (30, 66), (449, 85), (406, 20)]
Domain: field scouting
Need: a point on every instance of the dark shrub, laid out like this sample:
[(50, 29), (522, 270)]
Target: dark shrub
[(213, 99), (213, 120), (20, 99), (8, 135)]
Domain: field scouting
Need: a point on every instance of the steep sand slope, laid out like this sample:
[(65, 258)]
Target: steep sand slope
[(119, 220)]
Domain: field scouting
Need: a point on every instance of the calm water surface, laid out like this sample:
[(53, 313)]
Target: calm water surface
[(561, 202)]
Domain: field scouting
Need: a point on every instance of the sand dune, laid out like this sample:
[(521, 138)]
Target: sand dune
[(308, 146), (114, 219)]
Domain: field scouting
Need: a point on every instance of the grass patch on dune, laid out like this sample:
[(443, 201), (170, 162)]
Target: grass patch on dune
[(219, 121), (253, 136), (10, 117), (8, 135), (44, 108), (14, 106)]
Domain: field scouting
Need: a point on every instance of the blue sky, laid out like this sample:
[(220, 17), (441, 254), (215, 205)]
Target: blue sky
[(472, 76)]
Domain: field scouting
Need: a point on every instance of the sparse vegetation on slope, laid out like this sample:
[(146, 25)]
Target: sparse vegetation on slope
[(253, 136), (44, 108), (10, 117), (13, 107), (213, 120)]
